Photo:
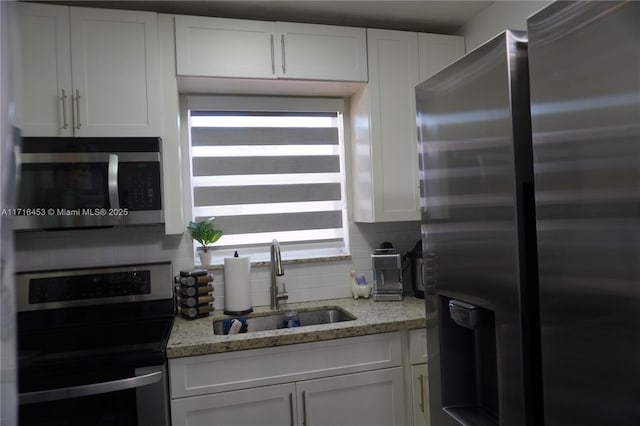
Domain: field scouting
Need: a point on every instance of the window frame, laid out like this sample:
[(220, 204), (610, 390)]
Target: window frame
[(244, 103)]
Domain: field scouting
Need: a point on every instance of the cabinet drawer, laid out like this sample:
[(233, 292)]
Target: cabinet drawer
[(260, 367), (418, 346)]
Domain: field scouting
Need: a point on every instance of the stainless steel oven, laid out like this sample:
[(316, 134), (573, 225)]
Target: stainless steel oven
[(89, 182), (91, 346)]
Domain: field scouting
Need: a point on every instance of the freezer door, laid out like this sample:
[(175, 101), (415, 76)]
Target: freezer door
[(585, 91), (476, 171)]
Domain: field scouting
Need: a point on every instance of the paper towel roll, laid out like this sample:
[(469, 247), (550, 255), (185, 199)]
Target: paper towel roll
[(237, 286)]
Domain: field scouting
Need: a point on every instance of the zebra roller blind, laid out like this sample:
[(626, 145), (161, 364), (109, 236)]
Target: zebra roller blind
[(270, 171)]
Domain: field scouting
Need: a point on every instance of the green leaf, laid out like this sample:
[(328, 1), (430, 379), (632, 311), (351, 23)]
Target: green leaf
[(204, 232)]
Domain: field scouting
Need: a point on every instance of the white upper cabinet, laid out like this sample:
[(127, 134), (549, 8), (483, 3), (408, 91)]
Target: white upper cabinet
[(46, 70), (436, 51), (218, 47), (321, 52), (224, 47), (115, 68), (89, 72), (383, 117), (385, 159)]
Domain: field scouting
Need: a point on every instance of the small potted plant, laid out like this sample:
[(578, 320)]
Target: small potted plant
[(204, 233)]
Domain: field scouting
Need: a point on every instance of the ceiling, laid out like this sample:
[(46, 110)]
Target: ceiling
[(415, 15)]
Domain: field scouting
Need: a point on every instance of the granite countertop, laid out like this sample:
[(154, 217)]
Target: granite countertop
[(196, 337)]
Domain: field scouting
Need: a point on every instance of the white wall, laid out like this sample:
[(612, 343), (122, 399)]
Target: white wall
[(39, 250), (500, 16)]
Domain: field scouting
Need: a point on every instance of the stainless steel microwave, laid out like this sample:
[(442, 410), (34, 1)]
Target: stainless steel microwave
[(68, 183)]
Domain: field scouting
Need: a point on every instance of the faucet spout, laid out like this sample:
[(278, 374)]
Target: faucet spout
[(276, 271), (276, 259)]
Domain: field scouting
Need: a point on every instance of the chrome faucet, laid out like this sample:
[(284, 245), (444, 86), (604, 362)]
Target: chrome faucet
[(276, 271)]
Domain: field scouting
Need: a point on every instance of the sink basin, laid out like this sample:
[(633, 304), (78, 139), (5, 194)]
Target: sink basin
[(276, 320)]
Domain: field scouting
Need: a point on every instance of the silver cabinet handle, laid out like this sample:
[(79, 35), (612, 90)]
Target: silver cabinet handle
[(273, 56), (114, 201), (76, 118), (291, 408), (92, 389), (284, 67), (63, 99), (421, 380), (304, 409)]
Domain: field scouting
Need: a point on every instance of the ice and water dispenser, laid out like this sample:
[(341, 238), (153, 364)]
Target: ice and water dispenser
[(468, 362)]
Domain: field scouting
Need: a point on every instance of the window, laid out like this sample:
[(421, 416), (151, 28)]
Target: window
[(270, 168)]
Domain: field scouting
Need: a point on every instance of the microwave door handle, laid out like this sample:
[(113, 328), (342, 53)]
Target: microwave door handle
[(114, 200), (91, 389)]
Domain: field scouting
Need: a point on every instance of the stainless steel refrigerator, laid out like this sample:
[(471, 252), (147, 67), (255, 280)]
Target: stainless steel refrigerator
[(584, 61), (530, 170), (9, 138), (479, 237)]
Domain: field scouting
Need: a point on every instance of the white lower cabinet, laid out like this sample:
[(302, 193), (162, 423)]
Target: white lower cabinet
[(267, 405), (343, 382), (367, 399), (373, 398), (419, 377)]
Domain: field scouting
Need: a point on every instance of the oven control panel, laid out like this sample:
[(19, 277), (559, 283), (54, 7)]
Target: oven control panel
[(95, 286), (70, 288)]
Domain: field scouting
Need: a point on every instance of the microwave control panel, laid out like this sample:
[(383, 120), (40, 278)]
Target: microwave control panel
[(139, 186)]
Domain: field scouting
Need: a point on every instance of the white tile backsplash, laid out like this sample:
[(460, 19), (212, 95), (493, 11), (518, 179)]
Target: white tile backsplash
[(41, 250)]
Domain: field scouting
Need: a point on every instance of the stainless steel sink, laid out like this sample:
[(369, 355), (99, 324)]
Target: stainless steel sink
[(276, 320)]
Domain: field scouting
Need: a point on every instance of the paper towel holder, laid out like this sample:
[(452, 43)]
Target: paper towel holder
[(237, 286)]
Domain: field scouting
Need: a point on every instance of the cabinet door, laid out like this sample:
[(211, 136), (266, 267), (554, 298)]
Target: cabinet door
[(366, 399), (436, 51), (388, 154), (115, 72), (419, 374), (418, 346), (321, 52), (217, 47), (45, 99), (269, 406)]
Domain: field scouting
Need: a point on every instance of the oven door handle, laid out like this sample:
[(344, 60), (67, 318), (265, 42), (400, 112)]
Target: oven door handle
[(92, 389)]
